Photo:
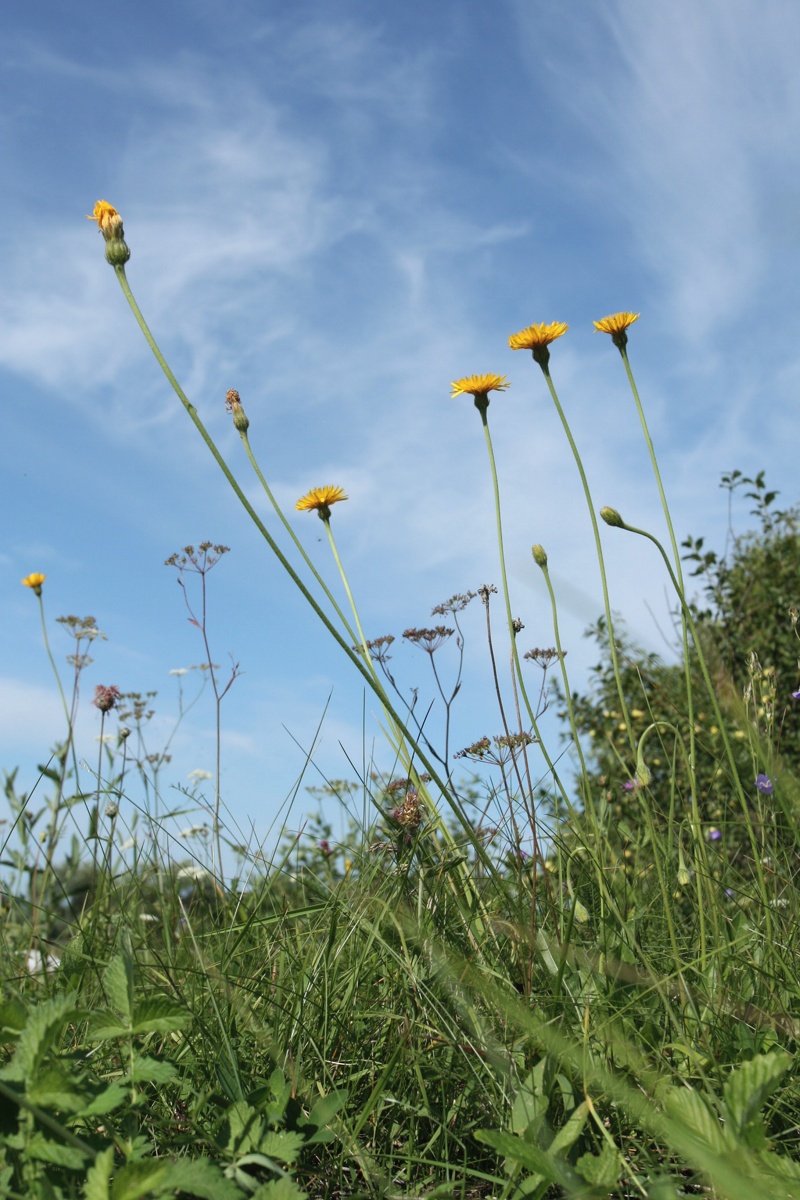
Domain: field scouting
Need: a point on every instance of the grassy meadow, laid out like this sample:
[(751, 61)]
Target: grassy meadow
[(522, 973)]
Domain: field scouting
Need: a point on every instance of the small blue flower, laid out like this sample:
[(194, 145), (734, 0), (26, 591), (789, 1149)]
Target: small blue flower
[(796, 695), (713, 834), (764, 784)]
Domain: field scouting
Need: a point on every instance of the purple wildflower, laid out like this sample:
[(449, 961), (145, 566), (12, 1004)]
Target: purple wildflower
[(764, 784), (796, 695), (631, 785), (713, 834)]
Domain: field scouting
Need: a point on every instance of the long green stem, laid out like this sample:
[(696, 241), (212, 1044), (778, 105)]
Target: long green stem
[(372, 681), (612, 645), (482, 404), (678, 572)]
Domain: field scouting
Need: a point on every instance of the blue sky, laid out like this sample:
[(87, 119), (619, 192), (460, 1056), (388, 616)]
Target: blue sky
[(337, 208)]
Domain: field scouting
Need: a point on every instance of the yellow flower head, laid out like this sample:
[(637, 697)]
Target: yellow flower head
[(537, 339), (320, 500), (479, 386), (109, 222), (34, 582), (617, 325)]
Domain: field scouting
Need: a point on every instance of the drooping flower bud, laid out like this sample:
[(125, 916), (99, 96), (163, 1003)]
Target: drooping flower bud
[(612, 517)]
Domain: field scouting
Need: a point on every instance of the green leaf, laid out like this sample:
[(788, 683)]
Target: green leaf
[(279, 1189), (118, 981), (113, 1028), (519, 1151), (601, 1170), (690, 1108), (282, 1145), (106, 1101), (98, 1177), (43, 1149), (568, 1135), (202, 1178), (159, 1015), (151, 1070), (13, 1015), (531, 1102), (320, 1116), (51, 1087), (45, 1023), (749, 1085)]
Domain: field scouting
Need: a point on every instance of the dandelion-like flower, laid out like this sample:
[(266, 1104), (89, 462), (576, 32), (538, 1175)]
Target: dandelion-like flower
[(319, 500), (537, 339), (478, 385), (109, 222), (617, 326), (34, 582)]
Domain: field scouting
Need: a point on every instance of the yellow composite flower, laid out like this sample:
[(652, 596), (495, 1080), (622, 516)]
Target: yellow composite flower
[(536, 337), (478, 385), (320, 500), (34, 582), (109, 222), (617, 323)]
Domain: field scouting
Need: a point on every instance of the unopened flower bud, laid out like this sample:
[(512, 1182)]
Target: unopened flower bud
[(233, 405), (539, 556), (612, 517), (109, 222)]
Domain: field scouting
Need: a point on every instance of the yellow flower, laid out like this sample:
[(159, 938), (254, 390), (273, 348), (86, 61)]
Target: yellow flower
[(108, 219), (617, 325), (536, 337), (109, 222), (320, 500), (34, 582), (478, 385)]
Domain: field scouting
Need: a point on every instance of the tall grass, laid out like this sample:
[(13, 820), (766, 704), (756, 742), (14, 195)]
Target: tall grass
[(524, 983)]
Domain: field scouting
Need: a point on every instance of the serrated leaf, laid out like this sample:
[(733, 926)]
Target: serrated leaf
[(106, 1101), (749, 1085), (106, 1033), (51, 1087), (159, 1015), (601, 1170), (151, 1070), (44, 1149), (118, 982), (279, 1189), (201, 1178), (691, 1109), (98, 1177), (525, 1154), (148, 1178), (283, 1145), (43, 1025)]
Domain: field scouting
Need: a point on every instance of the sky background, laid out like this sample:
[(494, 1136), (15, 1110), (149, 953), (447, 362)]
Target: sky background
[(337, 207)]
